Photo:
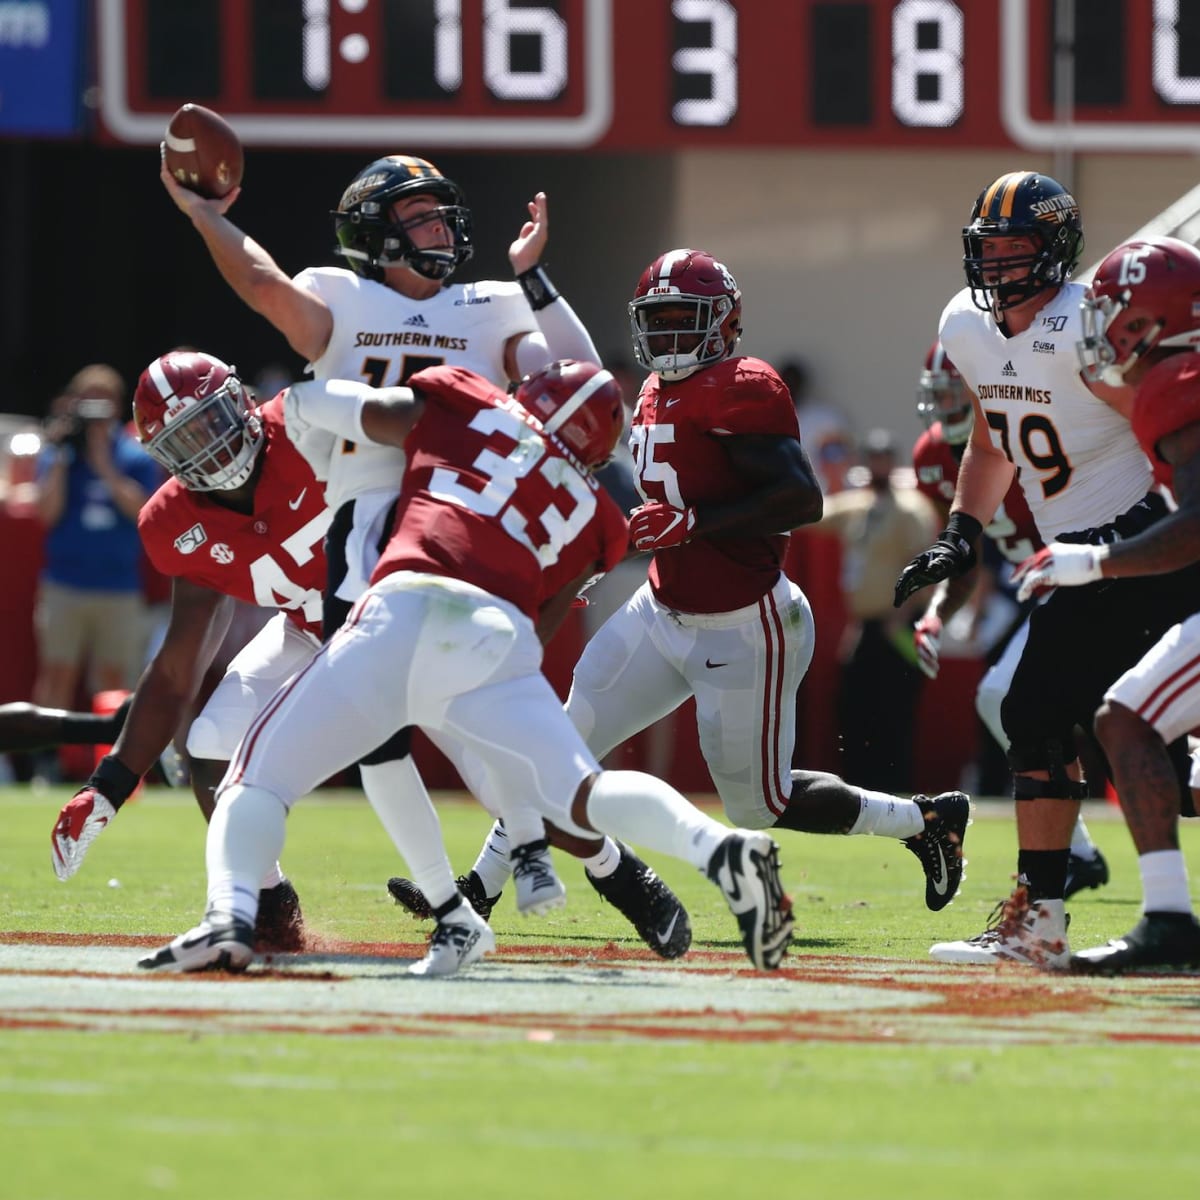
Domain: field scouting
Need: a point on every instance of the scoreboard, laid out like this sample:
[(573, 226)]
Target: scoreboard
[(647, 75)]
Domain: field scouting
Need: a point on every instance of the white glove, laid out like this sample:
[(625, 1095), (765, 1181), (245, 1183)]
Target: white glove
[(79, 824), (1060, 564), (927, 638)]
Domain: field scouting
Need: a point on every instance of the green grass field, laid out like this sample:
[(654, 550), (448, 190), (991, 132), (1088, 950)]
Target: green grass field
[(998, 1083)]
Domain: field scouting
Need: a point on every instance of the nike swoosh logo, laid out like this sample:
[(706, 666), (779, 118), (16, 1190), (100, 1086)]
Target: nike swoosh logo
[(664, 936), (674, 521), (941, 881), (708, 662), (299, 500), (674, 400)]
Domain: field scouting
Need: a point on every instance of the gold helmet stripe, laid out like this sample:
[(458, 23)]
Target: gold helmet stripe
[(1009, 182)]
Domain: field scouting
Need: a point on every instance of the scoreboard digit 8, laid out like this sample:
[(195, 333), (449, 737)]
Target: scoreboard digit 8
[(658, 75)]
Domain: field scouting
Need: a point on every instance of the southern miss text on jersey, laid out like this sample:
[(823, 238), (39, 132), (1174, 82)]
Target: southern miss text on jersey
[(383, 338), (489, 499), (1012, 528), (1078, 461), (678, 458), (274, 558)]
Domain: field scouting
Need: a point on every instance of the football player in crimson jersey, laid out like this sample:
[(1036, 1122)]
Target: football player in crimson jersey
[(241, 518), (403, 229), (1141, 322), (718, 461), (1067, 439), (945, 407), (497, 510)]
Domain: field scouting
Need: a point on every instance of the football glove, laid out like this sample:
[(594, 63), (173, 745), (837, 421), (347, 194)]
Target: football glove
[(1061, 564), (953, 554), (927, 639), (80, 822), (655, 526)]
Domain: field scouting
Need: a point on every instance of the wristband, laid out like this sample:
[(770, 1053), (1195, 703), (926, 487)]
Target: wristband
[(114, 780), (963, 525), (538, 289)]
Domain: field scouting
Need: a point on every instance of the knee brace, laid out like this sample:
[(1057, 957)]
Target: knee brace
[(1050, 756)]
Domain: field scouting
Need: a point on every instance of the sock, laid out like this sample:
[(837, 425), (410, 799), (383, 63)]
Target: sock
[(1082, 845), (493, 865), (604, 862), (273, 878), (642, 809), (1164, 882), (1043, 872), (887, 816), (397, 793), (245, 836)]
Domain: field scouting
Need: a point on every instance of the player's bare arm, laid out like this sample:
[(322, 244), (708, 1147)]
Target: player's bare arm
[(302, 317), (554, 611), (199, 619), (985, 474), (560, 333), (782, 489)]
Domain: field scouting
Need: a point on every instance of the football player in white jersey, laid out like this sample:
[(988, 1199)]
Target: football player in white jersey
[(1012, 333), (404, 229)]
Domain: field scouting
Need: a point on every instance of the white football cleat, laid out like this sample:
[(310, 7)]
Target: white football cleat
[(538, 888), (218, 943), (1019, 931), (460, 938)]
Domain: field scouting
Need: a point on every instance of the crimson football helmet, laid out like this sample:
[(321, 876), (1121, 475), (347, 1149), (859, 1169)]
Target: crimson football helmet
[(579, 403), (1146, 293), (1021, 204), (675, 343), (195, 417), (942, 397), (370, 240)]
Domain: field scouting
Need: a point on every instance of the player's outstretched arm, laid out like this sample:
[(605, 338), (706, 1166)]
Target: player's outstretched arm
[(350, 410), (300, 315), (198, 622)]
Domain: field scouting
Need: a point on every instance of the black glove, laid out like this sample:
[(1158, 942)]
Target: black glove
[(953, 554)]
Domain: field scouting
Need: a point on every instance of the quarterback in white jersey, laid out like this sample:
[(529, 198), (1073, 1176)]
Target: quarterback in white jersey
[(1011, 335), (404, 229)]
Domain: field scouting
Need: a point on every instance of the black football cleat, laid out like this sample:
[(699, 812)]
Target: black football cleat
[(745, 866), (279, 927), (1085, 873), (637, 892), (1164, 941), (938, 846), (410, 897)]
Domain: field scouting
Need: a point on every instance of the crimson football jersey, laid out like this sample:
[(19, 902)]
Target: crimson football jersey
[(936, 465), (274, 558), (1167, 400), (678, 458), (489, 499)]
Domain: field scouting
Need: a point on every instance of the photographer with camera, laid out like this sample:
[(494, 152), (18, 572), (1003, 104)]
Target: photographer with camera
[(92, 478)]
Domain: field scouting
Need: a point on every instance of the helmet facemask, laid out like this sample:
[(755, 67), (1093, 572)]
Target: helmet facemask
[(1048, 268), (683, 345), (372, 241), (211, 444), (942, 398)]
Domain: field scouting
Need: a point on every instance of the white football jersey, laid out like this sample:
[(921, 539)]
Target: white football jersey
[(381, 337), (1077, 459)]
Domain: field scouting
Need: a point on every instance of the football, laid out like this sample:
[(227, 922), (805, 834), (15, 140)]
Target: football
[(202, 151)]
